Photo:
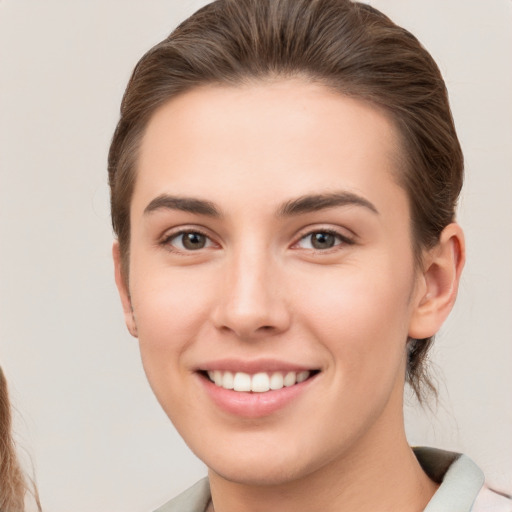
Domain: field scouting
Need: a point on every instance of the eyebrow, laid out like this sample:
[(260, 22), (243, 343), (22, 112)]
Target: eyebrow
[(301, 205), (184, 204), (316, 202)]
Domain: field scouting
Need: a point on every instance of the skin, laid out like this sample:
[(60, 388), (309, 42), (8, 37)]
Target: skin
[(259, 290)]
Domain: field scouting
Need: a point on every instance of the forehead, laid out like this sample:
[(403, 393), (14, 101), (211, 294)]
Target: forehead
[(289, 136)]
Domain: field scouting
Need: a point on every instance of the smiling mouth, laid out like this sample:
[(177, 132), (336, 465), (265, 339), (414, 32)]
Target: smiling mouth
[(261, 382)]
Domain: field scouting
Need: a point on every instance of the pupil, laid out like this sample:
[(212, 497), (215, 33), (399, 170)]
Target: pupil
[(194, 241), (323, 240)]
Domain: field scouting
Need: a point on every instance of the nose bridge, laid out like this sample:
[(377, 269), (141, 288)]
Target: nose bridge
[(250, 303)]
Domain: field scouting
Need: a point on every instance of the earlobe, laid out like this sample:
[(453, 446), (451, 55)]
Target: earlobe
[(437, 291), (123, 290)]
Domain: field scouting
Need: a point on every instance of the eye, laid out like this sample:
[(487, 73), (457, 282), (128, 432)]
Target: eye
[(322, 240), (188, 241)]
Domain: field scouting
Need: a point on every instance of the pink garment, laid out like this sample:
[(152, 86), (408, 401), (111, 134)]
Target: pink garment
[(491, 501)]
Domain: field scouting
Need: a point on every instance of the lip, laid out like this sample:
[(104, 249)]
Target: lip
[(252, 366), (248, 404)]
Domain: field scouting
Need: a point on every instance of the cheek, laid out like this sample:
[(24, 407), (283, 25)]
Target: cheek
[(170, 310), (170, 313), (361, 313)]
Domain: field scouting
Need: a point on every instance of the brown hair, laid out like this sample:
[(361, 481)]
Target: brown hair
[(13, 485), (347, 46)]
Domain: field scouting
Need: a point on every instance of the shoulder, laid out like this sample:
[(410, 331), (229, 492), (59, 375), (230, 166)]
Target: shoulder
[(194, 499), (489, 500), (462, 486)]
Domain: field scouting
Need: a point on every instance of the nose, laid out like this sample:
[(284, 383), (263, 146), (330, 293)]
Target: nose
[(252, 303)]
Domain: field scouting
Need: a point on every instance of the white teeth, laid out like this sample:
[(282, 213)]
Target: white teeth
[(242, 382), (276, 381), (290, 379), (228, 380), (257, 383), (260, 383), (302, 376), (217, 377)]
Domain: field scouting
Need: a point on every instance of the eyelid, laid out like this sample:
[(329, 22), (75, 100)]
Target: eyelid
[(172, 233), (337, 232)]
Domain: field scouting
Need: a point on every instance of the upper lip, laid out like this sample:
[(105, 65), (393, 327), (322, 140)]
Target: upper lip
[(254, 366)]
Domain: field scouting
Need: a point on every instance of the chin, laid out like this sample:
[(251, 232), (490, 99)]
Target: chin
[(264, 466), (261, 475)]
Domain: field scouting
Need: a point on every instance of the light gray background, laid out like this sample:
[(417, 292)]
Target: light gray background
[(97, 438)]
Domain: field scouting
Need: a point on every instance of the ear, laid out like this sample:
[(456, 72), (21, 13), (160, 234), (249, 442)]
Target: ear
[(124, 292), (438, 283)]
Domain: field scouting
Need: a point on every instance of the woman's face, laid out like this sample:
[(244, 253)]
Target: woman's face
[(270, 243)]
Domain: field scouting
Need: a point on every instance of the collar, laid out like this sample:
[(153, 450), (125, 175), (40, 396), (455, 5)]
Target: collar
[(460, 479)]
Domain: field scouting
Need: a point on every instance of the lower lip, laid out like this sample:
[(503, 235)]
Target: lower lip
[(254, 405)]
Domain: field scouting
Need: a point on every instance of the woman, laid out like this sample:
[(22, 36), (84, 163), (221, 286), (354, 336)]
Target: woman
[(284, 178), (13, 486)]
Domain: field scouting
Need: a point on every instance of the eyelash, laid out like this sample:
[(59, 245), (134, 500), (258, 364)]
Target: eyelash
[(166, 241), (341, 240)]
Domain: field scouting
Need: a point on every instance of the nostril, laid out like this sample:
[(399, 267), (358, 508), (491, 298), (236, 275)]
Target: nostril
[(247, 320)]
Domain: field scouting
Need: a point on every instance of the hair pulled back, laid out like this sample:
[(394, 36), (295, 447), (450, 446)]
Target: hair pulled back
[(349, 47)]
